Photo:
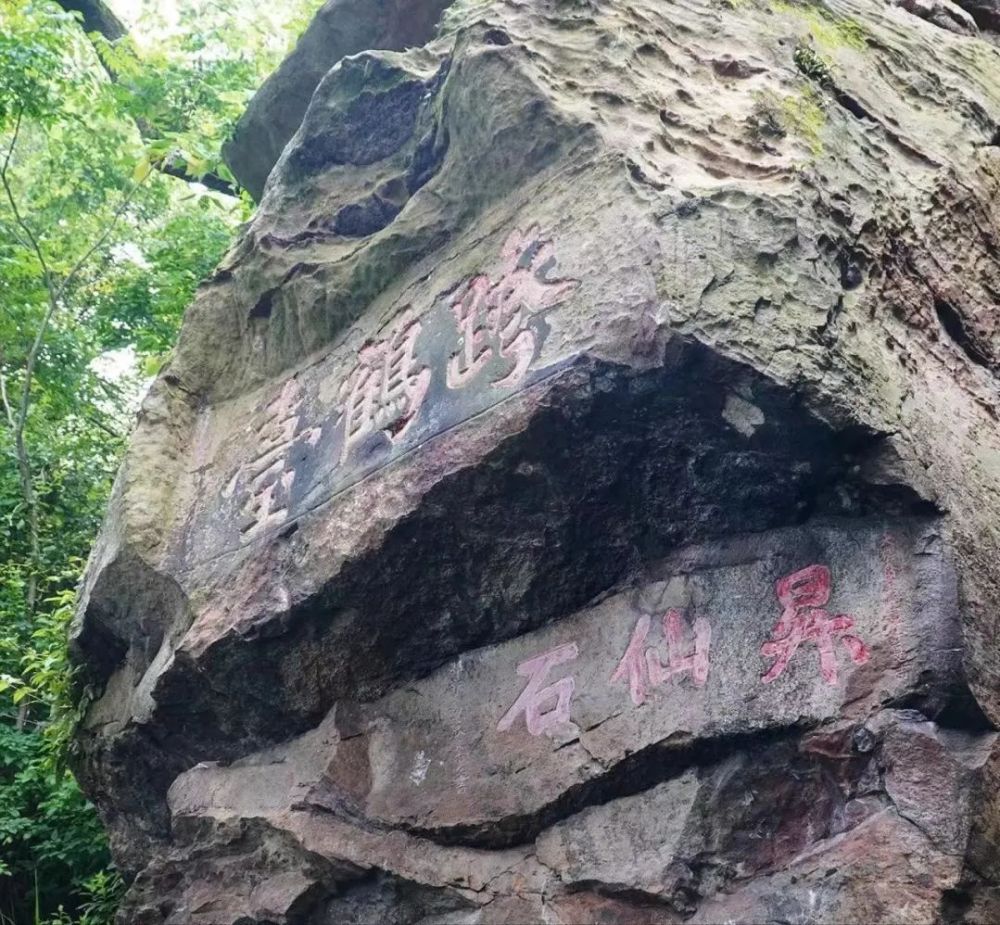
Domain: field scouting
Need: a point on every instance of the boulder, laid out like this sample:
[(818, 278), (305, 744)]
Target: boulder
[(576, 496), (339, 29)]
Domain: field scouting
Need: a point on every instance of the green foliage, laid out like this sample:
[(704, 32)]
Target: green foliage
[(100, 251), (827, 30), (100, 896), (141, 310), (812, 65), (33, 72), (47, 829), (188, 90)]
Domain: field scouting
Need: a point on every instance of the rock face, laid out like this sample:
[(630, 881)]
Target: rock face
[(576, 497)]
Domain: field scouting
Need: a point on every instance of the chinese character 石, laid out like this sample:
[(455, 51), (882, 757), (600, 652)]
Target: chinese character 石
[(269, 476), (535, 695), (493, 318), (386, 389), (803, 595), (643, 667)]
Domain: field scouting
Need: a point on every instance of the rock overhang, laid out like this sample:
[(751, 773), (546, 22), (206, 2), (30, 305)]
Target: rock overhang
[(513, 368), (341, 28)]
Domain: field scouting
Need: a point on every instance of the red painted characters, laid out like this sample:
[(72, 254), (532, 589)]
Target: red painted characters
[(537, 694), (386, 388), (803, 595), (493, 318), (269, 475), (642, 666)]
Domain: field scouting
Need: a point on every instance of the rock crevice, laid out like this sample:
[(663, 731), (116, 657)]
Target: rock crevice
[(575, 497)]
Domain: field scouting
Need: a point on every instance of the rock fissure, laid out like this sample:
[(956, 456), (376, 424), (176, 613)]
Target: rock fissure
[(574, 497)]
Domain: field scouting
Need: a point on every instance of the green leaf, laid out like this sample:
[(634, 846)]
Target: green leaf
[(238, 97), (79, 152), (142, 169)]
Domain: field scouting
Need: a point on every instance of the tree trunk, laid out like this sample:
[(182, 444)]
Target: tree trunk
[(96, 17)]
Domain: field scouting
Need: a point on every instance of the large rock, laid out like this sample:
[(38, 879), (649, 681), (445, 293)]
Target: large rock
[(576, 496), (340, 28)]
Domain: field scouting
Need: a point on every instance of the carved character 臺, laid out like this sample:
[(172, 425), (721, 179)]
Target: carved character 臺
[(269, 476)]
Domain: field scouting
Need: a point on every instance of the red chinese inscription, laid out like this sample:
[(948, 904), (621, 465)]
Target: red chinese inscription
[(537, 695), (493, 318), (642, 666), (269, 475), (386, 389), (803, 595)]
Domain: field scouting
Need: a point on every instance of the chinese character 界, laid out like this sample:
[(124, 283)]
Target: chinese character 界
[(493, 318), (642, 665), (803, 595), (535, 695), (386, 389)]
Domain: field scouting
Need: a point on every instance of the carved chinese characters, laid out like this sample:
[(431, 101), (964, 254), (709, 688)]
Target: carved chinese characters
[(422, 373), (642, 666), (268, 476), (493, 317), (803, 619), (536, 695), (386, 389), (657, 664), (684, 652)]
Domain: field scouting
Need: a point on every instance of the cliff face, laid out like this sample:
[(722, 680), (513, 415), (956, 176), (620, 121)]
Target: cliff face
[(576, 496)]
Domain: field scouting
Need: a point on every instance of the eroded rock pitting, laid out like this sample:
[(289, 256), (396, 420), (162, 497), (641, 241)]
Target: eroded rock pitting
[(574, 498)]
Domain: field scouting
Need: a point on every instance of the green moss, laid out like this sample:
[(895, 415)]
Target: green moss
[(800, 114), (828, 32), (805, 116)]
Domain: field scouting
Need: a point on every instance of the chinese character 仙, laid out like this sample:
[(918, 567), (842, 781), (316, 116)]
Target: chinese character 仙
[(642, 666)]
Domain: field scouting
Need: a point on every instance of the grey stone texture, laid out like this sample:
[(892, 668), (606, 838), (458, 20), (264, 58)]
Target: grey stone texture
[(575, 497)]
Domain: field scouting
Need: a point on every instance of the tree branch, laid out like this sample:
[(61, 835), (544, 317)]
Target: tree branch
[(102, 425), (18, 218), (64, 286), (211, 180), (20, 419), (55, 294), (8, 410), (99, 19)]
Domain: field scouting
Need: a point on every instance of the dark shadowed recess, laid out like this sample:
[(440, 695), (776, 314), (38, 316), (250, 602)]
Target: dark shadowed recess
[(617, 469), (384, 898), (131, 609), (986, 13), (339, 29)]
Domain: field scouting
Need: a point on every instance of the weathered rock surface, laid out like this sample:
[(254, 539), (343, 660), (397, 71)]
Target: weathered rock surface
[(576, 497), (340, 28)]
